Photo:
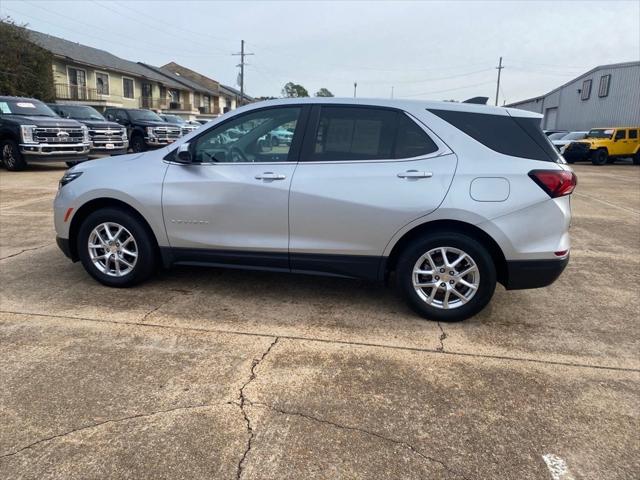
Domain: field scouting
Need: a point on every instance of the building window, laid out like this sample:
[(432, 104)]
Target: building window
[(127, 87), (586, 90), (102, 83), (603, 89)]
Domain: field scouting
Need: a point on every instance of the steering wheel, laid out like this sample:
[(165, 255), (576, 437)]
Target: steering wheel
[(238, 155)]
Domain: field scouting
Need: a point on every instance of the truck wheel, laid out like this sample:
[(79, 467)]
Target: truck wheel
[(636, 158), (446, 276), (137, 144), (115, 248), (71, 164), (11, 156), (599, 157)]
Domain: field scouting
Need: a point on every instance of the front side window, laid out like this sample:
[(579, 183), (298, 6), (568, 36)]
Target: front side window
[(585, 93), (102, 83), (600, 133), (621, 134), (127, 87), (262, 136), (603, 89)]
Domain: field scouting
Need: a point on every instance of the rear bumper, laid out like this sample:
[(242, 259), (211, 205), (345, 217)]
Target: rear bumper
[(63, 244), (523, 274)]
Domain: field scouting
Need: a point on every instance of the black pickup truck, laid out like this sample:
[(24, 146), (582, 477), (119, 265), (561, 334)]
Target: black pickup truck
[(107, 138), (144, 127), (31, 132)]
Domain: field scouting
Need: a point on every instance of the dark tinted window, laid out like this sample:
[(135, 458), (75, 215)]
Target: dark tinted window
[(620, 134), (346, 133), (412, 141), (633, 133), (515, 136)]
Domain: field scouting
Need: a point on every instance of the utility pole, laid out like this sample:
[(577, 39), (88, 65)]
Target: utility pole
[(242, 63), (355, 87), (392, 92), (499, 68)]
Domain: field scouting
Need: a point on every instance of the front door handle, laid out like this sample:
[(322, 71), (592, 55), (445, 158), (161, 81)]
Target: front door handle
[(270, 176), (415, 174)]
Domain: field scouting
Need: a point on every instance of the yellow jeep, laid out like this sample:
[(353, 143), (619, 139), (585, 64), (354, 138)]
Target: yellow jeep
[(605, 145)]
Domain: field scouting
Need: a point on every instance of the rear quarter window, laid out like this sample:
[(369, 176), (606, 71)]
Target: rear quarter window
[(514, 136)]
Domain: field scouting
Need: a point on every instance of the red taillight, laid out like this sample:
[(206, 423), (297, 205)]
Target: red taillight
[(557, 183)]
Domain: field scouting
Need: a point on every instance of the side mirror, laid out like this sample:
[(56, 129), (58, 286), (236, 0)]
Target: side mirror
[(183, 155)]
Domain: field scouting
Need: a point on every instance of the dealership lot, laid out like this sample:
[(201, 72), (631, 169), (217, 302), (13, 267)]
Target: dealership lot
[(227, 374)]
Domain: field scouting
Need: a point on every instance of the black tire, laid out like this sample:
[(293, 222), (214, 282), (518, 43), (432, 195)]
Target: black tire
[(145, 265), (11, 156), (71, 164), (482, 258), (636, 158), (137, 143), (599, 157), (610, 161), (570, 160)]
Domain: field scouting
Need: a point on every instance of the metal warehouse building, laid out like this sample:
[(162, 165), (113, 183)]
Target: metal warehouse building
[(606, 96)]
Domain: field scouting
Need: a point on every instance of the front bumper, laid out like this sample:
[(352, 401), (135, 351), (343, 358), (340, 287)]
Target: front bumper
[(159, 142), (63, 244), (576, 152), (55, 152), (523, 274)]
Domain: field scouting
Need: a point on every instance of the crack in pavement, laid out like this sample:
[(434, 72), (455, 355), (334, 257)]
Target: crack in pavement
[(162, 304), (364, 431), (116, 420), (243, 399), (443, 336), (26, 250), (330, 341)]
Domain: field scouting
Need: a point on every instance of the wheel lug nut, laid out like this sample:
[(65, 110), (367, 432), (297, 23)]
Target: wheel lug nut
[(451, 282), (443, 284), (437, 277), (442, 270), (452, 273)]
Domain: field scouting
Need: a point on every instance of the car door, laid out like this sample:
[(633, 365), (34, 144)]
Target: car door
[(363, 174), (633, 141), (231, 204), (620, 143)]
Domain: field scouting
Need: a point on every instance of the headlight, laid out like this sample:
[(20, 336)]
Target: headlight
[(85, 134), (124, 133), (150, 132), (27, 133), (68, 177)]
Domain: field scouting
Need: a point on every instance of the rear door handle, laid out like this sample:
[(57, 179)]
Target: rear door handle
[(270, 176), (415, 174)]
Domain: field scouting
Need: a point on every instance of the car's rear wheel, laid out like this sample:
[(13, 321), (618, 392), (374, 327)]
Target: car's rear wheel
[(599, 157), (11, 156), (446, 276), (115, 248)]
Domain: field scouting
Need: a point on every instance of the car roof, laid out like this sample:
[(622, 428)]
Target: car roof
[(19, 99), (398, 103), (611, 128)]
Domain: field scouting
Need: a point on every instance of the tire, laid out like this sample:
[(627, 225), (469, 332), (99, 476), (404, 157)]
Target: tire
[(570, 161), (636, 158), (143, 245), (137, 144), (11, 156), (599, 157), (611, 161), (455, 243), (71, 164)]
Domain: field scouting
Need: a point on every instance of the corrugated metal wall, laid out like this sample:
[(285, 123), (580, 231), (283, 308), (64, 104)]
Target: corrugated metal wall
[(621, 107)]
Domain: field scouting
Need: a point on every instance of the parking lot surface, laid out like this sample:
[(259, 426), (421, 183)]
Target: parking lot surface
[(210, 373)]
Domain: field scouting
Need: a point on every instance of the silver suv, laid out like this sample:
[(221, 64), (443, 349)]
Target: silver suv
[(445, 198)]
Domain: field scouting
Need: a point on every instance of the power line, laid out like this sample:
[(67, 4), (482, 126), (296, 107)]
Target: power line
[(447, 90)]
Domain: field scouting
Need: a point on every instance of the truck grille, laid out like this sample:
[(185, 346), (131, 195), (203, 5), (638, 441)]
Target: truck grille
[(58, 135), (106, 135), (167, 133), (186, 130)]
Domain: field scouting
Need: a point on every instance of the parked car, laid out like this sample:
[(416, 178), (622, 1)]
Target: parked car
[(606, 145), (563, 140), (145, 128), (366, 188), (279, 136), (548, 133), (185, 127), (32, 132), (107, 138)]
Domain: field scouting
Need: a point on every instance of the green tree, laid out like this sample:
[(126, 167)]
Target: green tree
[(293, 90), (25, 68), (323, 92)]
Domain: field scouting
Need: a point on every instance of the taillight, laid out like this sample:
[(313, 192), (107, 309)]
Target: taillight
[(557, 183)]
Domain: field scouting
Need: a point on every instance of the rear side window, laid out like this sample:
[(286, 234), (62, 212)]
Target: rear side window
[(352, 133), (514, 136), (633, 134)]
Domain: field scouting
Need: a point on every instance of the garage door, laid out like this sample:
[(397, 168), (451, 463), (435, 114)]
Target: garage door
[(550, 118)]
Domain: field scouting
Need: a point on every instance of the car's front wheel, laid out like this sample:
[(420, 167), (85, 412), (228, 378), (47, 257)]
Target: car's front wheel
[(115, 248), (600, 156), (446, 276)]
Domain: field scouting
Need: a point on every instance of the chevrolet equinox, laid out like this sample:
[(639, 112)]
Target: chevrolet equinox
[(446, 199)]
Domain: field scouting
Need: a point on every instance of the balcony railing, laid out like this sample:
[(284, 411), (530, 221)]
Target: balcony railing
[(65, 91)]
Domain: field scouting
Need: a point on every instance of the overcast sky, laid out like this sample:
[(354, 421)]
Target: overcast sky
[(428, 50)]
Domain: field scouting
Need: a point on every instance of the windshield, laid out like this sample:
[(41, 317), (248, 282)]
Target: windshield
[(29, 107), (574, 136), (144, 115), (79, 112), (173, 119), (557, 136), (600, 133)]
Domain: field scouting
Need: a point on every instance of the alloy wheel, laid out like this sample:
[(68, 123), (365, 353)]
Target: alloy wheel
[(112, 249), (8, 156), (446, 278)]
